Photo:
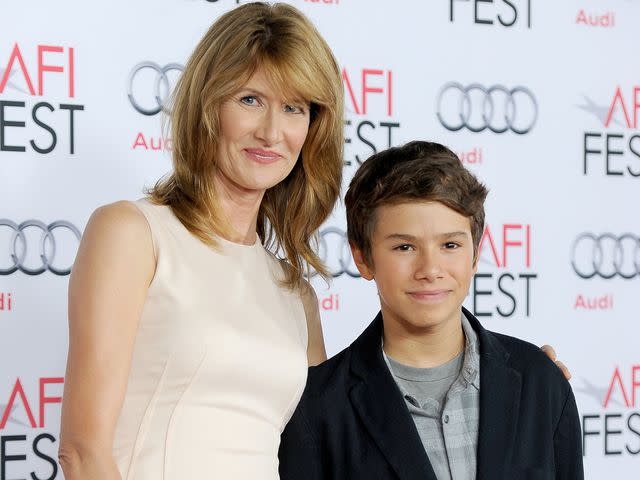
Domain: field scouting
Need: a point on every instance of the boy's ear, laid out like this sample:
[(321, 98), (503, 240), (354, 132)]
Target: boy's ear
[(363, 268)]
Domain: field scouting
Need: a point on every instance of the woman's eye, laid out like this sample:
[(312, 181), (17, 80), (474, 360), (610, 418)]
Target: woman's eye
[(293, 109), (249, 100)]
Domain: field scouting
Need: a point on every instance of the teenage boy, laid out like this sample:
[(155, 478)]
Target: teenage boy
[(426, 392)]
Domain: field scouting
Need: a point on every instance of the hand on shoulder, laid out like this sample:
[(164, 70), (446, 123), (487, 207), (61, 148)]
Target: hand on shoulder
[(551, 353)]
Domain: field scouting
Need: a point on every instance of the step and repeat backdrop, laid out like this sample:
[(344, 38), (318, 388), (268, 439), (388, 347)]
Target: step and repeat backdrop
[(540, 99)]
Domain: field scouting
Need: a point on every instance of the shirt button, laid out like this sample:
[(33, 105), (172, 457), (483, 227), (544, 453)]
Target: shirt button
[(446, 419)]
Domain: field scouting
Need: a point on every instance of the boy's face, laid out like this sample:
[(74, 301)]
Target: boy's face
[(423, 263)]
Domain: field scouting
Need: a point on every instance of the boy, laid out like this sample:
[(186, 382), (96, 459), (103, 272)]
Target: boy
[(426, 392)]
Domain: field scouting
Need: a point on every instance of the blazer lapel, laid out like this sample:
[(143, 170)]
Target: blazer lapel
[(379, 403), (500, 388)]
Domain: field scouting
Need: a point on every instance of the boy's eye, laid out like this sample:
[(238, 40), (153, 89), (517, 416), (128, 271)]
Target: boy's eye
[(405, 247), (451, 245)]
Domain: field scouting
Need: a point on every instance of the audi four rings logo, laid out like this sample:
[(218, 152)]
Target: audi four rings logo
[(477, 108), (157, 91), (46, 247), (606, 255), (335, 252)]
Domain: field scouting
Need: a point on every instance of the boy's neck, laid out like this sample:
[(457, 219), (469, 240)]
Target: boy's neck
[(430, 348)]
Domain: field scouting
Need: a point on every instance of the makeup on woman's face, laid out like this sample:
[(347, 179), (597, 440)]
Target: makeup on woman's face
[(261, 135)]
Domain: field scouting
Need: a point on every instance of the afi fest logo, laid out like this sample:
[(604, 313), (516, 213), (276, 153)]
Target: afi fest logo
[(504, 284), (612, 149), (29, 421), (369, 110), (611, 413), (498, 13), (149, 88), (37, 95)]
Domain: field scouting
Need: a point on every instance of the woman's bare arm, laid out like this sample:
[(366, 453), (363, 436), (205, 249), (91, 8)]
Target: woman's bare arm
[(316, 353), (107, 289)]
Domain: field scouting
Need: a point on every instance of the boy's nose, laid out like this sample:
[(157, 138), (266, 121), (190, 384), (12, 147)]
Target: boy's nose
[(427, 266)]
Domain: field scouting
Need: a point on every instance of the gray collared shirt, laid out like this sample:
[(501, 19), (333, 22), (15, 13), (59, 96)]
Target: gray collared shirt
[(444, 403)]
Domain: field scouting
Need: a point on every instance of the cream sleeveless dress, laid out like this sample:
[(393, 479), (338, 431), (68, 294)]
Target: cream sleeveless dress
[(219, 362)]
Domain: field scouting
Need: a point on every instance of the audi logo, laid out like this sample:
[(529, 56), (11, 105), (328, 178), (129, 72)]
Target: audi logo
[(160, 87), (334, 251), (477, 108), (45, 247), (606, 255)]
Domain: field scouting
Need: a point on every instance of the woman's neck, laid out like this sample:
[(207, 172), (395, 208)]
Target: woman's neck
[(240, 206)]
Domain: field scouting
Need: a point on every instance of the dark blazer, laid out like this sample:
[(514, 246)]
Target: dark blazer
[(352, 421)]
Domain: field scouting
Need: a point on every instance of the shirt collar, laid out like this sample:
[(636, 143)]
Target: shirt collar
[(470, 374), (471, 362)]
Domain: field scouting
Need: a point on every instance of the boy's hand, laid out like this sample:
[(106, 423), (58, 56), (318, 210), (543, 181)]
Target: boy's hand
[(551, 353)]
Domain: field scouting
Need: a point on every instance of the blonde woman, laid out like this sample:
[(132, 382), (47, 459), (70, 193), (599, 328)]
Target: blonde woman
[(195, 370)]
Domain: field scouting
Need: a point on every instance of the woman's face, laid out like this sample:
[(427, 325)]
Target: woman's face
[(261, 136)]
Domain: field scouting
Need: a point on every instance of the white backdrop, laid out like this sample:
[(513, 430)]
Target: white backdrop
[(560, 260)]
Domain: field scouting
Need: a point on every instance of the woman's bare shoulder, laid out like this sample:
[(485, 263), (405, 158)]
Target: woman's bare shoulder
[(117, 232), (123, 214)]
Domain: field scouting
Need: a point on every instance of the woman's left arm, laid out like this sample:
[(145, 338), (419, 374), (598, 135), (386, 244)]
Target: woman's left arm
[(316, 353)]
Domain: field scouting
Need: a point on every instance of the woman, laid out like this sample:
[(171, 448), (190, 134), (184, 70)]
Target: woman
[(189, 341)]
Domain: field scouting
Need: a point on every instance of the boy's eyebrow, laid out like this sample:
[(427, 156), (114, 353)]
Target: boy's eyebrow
[(453, 234), (400, 236), (412, 238)]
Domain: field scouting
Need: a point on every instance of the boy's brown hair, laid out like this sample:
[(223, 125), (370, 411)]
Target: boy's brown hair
[(417, 171)]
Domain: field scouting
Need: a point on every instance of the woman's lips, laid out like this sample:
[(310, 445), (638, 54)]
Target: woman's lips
[(262, 156)]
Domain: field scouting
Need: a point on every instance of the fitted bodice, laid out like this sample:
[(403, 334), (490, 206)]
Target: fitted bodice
[(219, 361)]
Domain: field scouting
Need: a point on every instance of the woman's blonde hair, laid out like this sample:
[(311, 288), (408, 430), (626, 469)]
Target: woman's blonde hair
[(282, 41)]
